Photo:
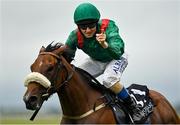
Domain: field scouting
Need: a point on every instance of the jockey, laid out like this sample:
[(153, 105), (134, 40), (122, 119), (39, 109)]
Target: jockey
[(105, 49)]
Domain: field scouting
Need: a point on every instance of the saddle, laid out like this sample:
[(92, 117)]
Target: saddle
[(140, 94)]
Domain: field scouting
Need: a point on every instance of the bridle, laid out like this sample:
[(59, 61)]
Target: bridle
[(53, 89)]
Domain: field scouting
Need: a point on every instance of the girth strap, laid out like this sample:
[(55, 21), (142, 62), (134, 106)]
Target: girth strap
[(85, 114)]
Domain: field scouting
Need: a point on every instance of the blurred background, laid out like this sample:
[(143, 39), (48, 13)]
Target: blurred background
[(150, 29)]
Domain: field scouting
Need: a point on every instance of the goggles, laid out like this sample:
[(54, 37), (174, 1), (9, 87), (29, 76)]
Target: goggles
[(85, 26)]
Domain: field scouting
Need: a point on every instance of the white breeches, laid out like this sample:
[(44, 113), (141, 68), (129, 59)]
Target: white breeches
[(111, 71)]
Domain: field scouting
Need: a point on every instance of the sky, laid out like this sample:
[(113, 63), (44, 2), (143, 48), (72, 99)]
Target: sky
[(149, 28)]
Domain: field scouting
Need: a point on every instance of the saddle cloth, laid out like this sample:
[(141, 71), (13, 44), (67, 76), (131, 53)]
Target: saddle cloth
[(140, 94)]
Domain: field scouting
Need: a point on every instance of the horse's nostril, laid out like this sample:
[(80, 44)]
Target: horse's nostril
[(31, 102), (33, 99)]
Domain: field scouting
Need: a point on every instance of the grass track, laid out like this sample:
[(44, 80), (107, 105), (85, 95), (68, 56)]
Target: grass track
[(24, 120)]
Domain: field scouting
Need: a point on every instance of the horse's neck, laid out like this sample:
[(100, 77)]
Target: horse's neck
[(77, 97)]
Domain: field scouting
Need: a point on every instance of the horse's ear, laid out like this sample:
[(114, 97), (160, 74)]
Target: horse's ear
[(42, 49), (66, 52)]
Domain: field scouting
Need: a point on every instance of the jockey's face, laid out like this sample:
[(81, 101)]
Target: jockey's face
[(88, 30)]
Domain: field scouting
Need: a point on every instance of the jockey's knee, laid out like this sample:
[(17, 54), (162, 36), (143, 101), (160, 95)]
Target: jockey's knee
[(109, 81), (115, 86)]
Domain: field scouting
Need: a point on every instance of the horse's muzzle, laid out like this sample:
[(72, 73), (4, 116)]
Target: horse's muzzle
[(31, 102)]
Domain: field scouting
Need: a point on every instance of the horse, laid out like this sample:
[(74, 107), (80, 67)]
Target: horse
[(52, 72)]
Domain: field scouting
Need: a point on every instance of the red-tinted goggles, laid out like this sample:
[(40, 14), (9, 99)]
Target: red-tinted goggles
[(85, 26)]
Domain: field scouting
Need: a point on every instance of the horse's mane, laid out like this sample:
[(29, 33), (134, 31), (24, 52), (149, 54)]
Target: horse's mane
[(68, 53), (92, 81)]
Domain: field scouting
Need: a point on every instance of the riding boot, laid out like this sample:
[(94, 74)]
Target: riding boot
[(135, 112), (122, 93)]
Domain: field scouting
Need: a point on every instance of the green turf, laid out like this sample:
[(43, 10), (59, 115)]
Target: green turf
[(24, 120)]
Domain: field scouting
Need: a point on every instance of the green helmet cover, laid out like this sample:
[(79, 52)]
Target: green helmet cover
[(86, 11)]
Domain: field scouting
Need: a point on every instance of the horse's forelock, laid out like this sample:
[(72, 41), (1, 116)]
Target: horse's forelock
[(60, 49), (51, 47)]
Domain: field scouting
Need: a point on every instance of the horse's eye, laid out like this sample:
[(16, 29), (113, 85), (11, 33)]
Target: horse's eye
[(50, 69)]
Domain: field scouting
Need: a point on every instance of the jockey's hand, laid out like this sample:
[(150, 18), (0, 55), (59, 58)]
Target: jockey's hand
[(101, 38)]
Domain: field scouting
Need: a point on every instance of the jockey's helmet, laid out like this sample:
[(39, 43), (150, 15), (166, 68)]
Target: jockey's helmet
[(86, 11)]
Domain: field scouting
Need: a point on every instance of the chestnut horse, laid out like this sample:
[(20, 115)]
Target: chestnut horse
[(81, 103)]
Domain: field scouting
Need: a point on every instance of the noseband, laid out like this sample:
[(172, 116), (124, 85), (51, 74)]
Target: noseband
[(52, 88)]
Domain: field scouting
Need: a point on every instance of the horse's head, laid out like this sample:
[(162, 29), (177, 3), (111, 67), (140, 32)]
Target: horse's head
[(42, 80)]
